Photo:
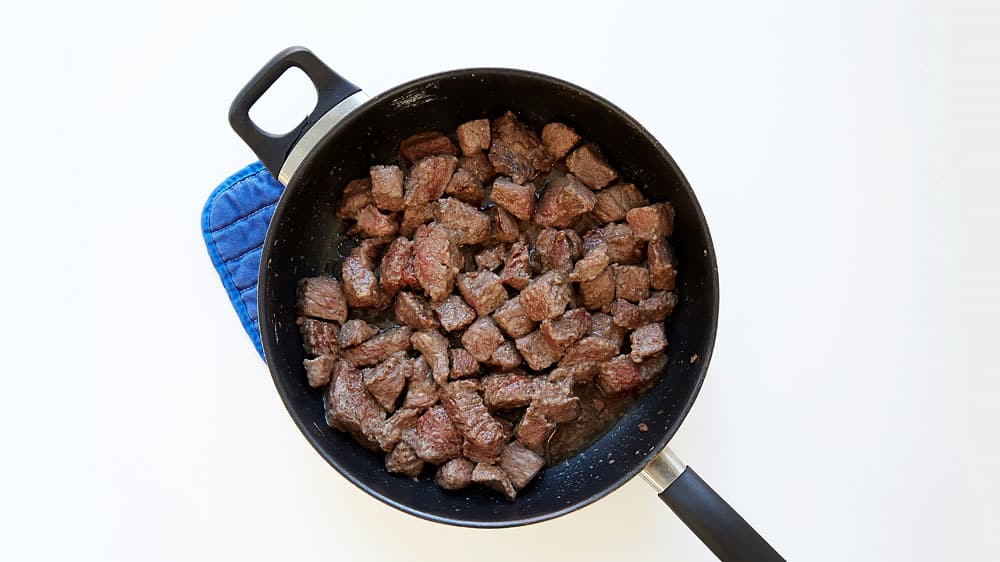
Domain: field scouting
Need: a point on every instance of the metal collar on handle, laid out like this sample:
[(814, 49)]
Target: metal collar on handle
[(315, 134), (661, 472)]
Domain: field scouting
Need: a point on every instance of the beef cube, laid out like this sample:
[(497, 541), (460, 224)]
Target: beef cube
[(482, 339), (355, 331), (555, 249), (427, 179), (414, 311), (518, 199), (482, 290), (322, 297), (507, 391), (436, 439), (403, 459), (356, 196), (377, 348), (474, 136), (494, 478), (361, 287), (625, 314), (591, 349), (504, 225), (318, 370), (466, 187), (454, 314), (465, 223), (660, 257), (651, 221), (554, 398), (563, 200), (416, 215), (512, 319), (505, 357), (534, 430), (392, 432), (421, 145), (618, 375), (373, 224), (434, 348), (546, 296), (386, 380), (650, 369), (387, 187), (421, 392), (631, 282), (397, 267), (479, 166), (622, 245), (520, 464), (599, 291), (589, 165), (537, 352), (318, 337), (658, 306), (559, 139), (463, 364), (565, 330), (484, 436), (579, 373), (455, 474), (436, 261), (516, 151), (647, 341), (602, 326), (517, 267), (351, 409), (613, 203), (591, 265), (491, 258)]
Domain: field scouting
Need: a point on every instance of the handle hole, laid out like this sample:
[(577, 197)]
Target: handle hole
[(279, 110)]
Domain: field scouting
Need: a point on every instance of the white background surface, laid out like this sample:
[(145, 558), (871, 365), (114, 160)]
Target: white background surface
[(846, 155)]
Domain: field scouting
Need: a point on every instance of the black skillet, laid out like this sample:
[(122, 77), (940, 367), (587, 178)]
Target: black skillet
[(344, 135)]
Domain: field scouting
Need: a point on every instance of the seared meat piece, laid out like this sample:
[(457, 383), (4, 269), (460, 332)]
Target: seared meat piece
[(625, 314), (428, 178), (590, 349), (579, 373), (463, 364), (436, 438), (631, 282), (464, 186), (504, 225), (507, 391), (516, 151), (474, 136), (660, 257), (482, 290), (618, 375), (650, 369), (361, 287), (559, 139), (537, 352), (351, 409), (373, 224), (546, 296), (512, 319), (434, 347), (392, 432), (397, 267), (622, 245), (318, 370), (505, 357), (555, 399), (495, 478), (534, 430), (517, 267), (421, 392), (422, 145), (599, 291), (602, 326), (379, 347), (563, 200), (436, 260), (387, 187), (356, 196), (482, 339), (416, 215), (454, 313), (386, 380), (554, 251), (484, 436), (455, 474), (647, 341), (318, 337), (658, 306), (520, 464), (652, 221), (465, 223), (403, 459), (591, 265), (613, 203), (518, 199), (414, 311), (589, 165), (491, 258), (565, 330), (355, 331), (479, 166), (322, 297)]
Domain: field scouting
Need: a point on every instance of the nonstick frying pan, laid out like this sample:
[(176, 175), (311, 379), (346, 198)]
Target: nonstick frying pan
[(339, 140)]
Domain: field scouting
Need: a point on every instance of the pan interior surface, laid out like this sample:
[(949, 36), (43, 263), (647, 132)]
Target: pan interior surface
[(300, 243)]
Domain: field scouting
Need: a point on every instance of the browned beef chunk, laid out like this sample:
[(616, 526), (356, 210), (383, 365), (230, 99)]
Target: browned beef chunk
[(356, 196), (647, 341), (318, 370), (454, 314), (507, 391), (563, 200), (520, 464), (482, 290), (599, 291), (455, 474), (590, 349), (622, 245), (482, 339), (650, 369), (505, 357), (658, 306), (534, 430), (422, 145), (553, 250), (436, 261), (373, 224), (589, 165), (516, 151), (385, 381), (397, 267), (591, 265), (631, 282), (484, 436), (414, 311), (351, 409), (403, 459), (361, 287), (660, 257), (613, 203), (463, 364), (518, 199), (652, 221), (491, 258), (565, 330), (517, 266), (479, 166), (512, 319), (465, 223), (474, 136), (318, 337), (434, 347), (555, 399), (377, 348), (322, 297), (421, 392), (546, 296), (537, 352), (625, 314), (355, 331), (504, 225), (602, 326), (392, 432), (559, 139), (416, 215), (387, 187), (427, 179), (579, 373), (436, 438), (618, 375), (494, 478), (464, 186)]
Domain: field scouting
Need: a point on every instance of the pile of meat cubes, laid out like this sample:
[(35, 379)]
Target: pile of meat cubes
[(516, 267)]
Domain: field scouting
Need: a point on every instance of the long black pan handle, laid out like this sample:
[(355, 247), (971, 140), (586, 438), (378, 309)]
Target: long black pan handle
[(331, 89), (713, 520)]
